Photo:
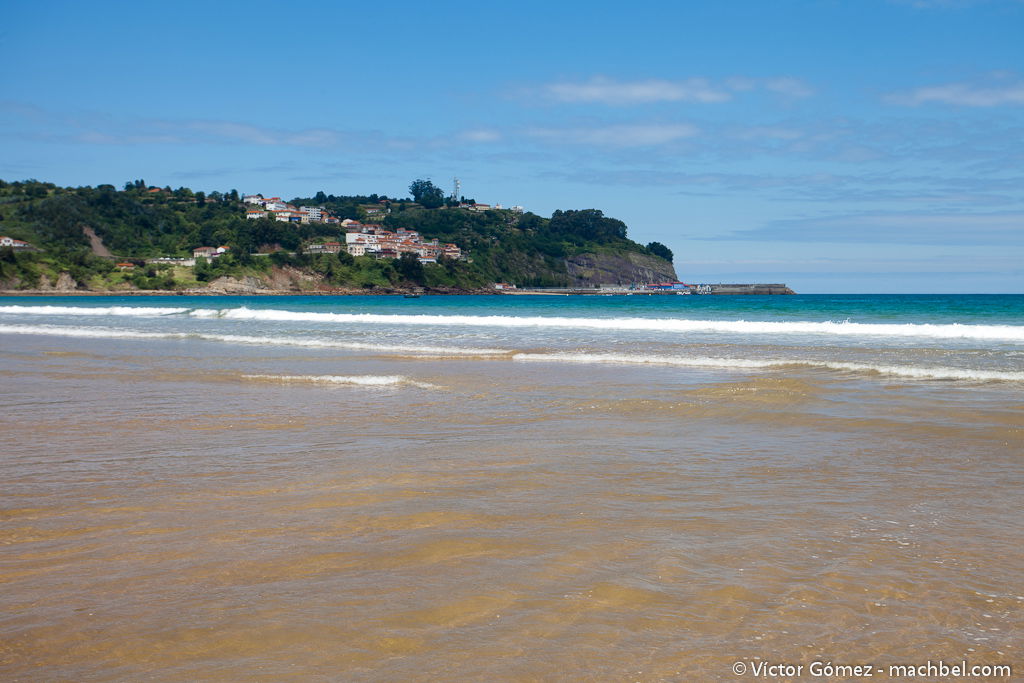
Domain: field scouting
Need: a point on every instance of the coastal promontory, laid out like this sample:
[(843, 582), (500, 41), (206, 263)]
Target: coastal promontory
[(143, 237)]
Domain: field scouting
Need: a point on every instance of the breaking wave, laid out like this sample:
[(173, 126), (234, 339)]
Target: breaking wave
[(109, 333), (132, 311), (948, 331), (358, 380), (904, 371), (1006, 333)]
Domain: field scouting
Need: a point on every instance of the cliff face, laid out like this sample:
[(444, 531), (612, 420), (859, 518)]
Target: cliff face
[(618, 269)]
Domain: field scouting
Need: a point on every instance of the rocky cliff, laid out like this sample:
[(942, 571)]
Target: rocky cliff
[(617, 269)]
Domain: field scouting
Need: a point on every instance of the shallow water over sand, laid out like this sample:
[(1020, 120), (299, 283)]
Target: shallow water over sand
[(183, 509)]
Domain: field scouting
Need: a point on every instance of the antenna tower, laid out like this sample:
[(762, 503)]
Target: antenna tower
[(457, 192)]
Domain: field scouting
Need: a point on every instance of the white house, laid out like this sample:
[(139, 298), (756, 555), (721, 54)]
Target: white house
[(315, 213), (276, 204), (13, 243)]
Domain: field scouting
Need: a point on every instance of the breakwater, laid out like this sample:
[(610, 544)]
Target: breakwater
[(713, 289)]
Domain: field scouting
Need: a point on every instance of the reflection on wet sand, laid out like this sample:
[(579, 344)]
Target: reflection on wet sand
[(518, 523)]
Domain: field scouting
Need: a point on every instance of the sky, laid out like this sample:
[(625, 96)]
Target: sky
[(839, 146)]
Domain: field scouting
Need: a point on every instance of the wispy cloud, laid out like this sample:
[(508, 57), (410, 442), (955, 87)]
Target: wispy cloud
[(602, 90), (1001, 229), (868, 189), (94, 128), (946, 4), (790, 87), (1002, 89), (233, 131), (624, 135), (480, 135), (766, 133), (606, 91)]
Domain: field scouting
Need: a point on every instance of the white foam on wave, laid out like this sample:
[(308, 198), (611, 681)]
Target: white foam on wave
[(358, 380), (1013, 333), (910, 372), (904, 371), (86, 332), (132, 311), (109, 333), (1005, 333)]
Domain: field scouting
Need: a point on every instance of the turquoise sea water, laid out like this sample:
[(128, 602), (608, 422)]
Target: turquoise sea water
[(905, 308), (945, 337)]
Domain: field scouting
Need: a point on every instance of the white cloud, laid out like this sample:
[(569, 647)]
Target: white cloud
[(258, 135), (480, 135), (602, 90), (606, 91), (904, 228), (791, 87), (625, 135), (767, 133), (963, 94), (941, 4)]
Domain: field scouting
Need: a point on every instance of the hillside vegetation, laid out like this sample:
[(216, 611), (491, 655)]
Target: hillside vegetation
[(138, 222)]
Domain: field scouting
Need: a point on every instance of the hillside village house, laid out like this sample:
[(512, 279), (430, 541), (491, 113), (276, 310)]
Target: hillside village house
[(14, 244), (361, 240), (373, 240), (209, 252), (284, 212), (324, 248)]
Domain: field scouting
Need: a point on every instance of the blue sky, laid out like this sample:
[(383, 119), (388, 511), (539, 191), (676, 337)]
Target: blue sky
[(836, 145)]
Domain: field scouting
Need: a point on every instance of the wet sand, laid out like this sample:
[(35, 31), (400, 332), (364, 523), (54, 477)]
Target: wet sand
[(167, 515)]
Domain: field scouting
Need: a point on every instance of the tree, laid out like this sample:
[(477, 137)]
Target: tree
[(588, 224), (202, 269), (320, 197), (426, 193), (659, 249), (410, 268)]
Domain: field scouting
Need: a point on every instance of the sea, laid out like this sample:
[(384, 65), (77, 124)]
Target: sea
[(510, 488)]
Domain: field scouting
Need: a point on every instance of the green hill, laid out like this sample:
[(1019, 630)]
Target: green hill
[(139, 222)]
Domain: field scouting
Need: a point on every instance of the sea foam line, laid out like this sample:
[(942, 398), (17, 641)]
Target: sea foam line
[(947, 331), (109, 333), (905, 371), (358, 380), (132, 311), (910, 372), (1010, 333)]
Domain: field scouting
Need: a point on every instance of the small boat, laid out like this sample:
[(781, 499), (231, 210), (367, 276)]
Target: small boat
[(412, 296)]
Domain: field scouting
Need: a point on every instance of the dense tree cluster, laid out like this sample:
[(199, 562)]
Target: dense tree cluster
[(659, 249), (426, 194)]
